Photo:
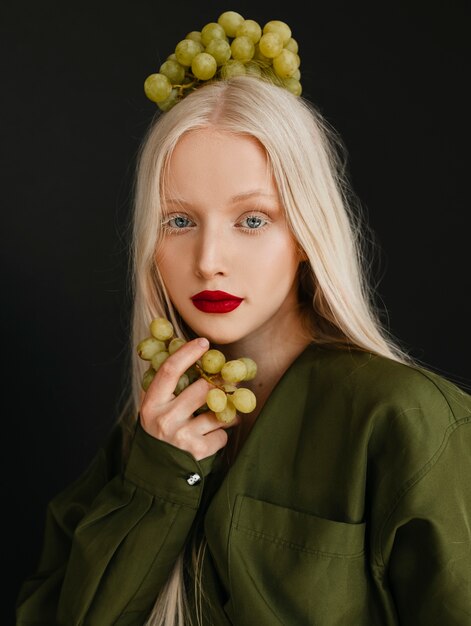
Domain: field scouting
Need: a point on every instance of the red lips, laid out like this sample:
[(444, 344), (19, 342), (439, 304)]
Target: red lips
[(215, 301)]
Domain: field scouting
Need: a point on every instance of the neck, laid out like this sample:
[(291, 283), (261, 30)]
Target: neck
[(274, 349)]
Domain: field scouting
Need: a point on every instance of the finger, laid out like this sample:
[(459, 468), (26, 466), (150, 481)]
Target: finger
[(176, 411), (202, 447), (215, 440), (164, 382), (206, 423), (188, 401)]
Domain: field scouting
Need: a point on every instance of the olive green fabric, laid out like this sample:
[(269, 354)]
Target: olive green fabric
[(349, 504)]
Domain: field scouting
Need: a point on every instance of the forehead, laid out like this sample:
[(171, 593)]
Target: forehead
[(208, 137), (214, 159)]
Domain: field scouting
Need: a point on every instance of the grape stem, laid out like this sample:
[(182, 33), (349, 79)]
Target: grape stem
[(181, 88), (210, 379)]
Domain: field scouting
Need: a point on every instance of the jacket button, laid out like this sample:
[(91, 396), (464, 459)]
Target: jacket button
[(193, 479)]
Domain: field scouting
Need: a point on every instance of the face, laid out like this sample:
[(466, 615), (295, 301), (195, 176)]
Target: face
[(225, 231)]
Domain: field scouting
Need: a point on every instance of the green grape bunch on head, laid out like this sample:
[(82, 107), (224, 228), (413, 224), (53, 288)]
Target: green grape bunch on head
[(230, 46)]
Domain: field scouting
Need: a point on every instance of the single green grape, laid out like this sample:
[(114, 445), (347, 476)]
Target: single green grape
[(174, 344), (242, 49), (285, 64), (279, 27), (169, 102), (250, 29), (293, 85), (157, 87), (219, 49), (234, 371), (147, 378), (292, 45), (158, 359), (148, 347), (251, 367), (244, 400), (161, 328), (204, 66), (186, 50), (216, 399), (173, 70), (228, 413), (230, 21), (270, 44), (232, 68), (196, 36), (212, 361), (261, 58), (212, 30)]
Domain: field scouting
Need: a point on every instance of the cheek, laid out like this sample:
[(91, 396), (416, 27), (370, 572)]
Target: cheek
[(169, 266), (276, 259)]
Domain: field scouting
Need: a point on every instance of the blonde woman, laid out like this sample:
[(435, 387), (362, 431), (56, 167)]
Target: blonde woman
[(343, 498)]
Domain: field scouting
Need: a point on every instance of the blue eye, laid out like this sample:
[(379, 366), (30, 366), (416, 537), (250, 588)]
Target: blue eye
[(254, 222), (179, 221)]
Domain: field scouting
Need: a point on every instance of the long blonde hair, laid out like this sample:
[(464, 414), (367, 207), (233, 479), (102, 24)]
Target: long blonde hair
[(308, 161)]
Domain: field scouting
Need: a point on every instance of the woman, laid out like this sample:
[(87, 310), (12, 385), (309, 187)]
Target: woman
[(343, 498)]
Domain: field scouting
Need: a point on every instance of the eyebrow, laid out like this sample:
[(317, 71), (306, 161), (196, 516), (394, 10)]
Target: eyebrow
[(237, 198)]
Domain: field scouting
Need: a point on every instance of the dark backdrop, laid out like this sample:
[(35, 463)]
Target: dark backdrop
[(391, 77)]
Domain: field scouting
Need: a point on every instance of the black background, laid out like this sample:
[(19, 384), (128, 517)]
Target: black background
[(391, 77)]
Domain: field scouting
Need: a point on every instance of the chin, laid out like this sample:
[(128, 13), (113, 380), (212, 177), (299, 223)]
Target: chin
[(218, 331), (222, 338)]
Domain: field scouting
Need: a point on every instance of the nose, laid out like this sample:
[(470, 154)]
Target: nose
[(211, 253)]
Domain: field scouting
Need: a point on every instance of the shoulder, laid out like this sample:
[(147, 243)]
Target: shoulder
[(403, 416), (387, 408), (377, 382)]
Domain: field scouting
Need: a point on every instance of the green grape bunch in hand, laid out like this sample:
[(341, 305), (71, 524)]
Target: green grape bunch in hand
[(226, 397)]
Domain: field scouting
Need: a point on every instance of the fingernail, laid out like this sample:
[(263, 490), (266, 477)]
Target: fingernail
[(203, 342)]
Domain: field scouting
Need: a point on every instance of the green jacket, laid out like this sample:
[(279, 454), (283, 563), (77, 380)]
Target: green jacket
[(349, 504)]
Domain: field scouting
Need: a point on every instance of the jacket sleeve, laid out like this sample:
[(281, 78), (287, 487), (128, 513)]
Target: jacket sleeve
[(423, 546), (430, 563), (111, 539)]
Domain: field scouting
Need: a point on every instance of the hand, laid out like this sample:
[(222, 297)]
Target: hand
[(170, 418)]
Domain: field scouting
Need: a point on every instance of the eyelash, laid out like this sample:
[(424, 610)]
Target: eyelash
[(250, 231)]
